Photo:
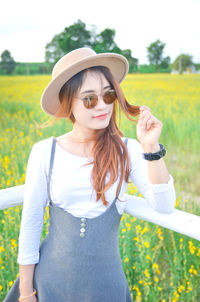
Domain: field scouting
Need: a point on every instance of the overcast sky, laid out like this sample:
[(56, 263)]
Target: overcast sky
[(27, 26)]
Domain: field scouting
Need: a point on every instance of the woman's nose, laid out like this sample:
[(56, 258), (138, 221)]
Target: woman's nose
[(100, 104)]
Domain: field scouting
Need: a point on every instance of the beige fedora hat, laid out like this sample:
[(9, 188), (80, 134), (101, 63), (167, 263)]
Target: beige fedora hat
[(74, 62)]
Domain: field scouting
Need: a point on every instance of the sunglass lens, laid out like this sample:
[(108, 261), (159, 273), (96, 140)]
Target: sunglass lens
[(90, 101), (109, 97)]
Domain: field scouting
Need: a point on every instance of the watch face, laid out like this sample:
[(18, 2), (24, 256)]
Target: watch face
[(155, 157)]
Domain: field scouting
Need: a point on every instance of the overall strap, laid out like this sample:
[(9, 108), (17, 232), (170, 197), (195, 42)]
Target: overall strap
[(51, 167), (125, 141)]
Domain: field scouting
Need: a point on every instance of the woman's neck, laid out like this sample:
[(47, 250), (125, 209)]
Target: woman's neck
[(80, 134)]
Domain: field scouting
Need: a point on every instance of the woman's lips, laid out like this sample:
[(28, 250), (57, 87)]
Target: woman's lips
[(102, 116)]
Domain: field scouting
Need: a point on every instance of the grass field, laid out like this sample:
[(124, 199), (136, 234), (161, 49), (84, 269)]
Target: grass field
[(160, 265)]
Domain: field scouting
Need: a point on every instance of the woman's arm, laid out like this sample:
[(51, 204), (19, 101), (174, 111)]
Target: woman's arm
[(148, 131), (160, 195), (26, 273), (35, 201), (151, 177), (157, 169)]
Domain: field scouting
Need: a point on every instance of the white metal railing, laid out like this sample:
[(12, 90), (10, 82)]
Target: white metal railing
[(178, 221)]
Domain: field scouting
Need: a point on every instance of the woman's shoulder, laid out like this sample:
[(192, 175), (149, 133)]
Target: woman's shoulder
[(41, 149), (43, 144), (40, 152)]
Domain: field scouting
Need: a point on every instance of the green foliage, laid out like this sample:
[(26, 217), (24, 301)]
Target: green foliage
[(145, 68), (133, 62), (32, 68), (7, 64), (104, 42), (197, 66), (155, 55), (182, 62), (74, 36), (77, 36)]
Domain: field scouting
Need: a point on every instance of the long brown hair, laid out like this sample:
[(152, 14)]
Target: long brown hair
[(109, 151)]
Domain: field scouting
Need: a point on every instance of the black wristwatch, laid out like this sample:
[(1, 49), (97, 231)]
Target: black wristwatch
[(156, 155)]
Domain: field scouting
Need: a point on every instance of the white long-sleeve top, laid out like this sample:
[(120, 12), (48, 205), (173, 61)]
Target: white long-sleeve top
[(71, 189)]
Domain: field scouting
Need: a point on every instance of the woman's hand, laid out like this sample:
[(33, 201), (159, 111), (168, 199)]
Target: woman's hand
[(148, 128)]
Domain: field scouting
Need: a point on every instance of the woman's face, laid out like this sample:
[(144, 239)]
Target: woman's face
[(93, 83)]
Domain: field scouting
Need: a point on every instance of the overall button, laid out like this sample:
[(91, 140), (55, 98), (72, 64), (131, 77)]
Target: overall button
[(82, 230), (83, 219), (82, 225), (82, 235)]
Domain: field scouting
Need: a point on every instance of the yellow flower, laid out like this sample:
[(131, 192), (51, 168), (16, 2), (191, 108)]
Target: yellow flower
[(123, 230), (13, 243), (1, 287), (146, 244), (126, 259), (144, 230), (181, 288), (156, 267), (10, 283), (2, 249), (146, 272), (135, 288), (128, 226), (192, 270), (6, 161), (138, 228), (192, 248), (156, 279), (136, 239)]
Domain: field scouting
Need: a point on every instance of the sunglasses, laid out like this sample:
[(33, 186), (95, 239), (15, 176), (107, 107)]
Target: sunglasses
[(91, 100)]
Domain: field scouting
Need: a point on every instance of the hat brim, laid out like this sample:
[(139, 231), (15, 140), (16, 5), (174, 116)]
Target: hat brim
[(117, 64)]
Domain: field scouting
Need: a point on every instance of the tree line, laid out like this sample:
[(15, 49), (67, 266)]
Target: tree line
[(77, 35)]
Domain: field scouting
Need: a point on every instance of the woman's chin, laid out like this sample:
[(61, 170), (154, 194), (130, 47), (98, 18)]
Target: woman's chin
[(101, 126)]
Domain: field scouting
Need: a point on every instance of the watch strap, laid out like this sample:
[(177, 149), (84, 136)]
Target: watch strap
[(156, 155)]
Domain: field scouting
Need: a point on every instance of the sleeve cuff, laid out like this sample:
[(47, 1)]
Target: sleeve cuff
[(158, 188), (28, 259)]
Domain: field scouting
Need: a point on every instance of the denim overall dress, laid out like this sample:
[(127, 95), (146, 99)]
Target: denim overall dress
[(79, 258)]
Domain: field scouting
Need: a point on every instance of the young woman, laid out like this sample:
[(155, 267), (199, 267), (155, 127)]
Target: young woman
[(82, 176)]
